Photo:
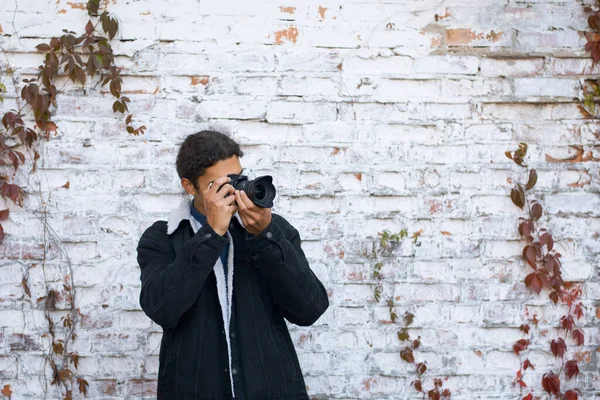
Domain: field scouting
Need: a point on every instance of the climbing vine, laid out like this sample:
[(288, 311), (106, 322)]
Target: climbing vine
[(23, 129), (62, 57), (381, 250), (545, 272)]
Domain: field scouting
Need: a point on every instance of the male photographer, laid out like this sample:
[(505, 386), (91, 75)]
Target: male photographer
[(219, 277)]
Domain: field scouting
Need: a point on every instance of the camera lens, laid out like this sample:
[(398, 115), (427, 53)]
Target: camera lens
[(259, 192)]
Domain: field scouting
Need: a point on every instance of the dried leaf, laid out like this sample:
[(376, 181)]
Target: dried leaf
[(536, 211), (532, 180), (83, 385), (6, 391), (25, 285), (407, 355), (43, 47), (408, 318)]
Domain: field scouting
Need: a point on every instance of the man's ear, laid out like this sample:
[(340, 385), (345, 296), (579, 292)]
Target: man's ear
[(187, 185)]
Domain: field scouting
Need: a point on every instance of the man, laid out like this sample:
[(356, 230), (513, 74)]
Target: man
[(219, 277)]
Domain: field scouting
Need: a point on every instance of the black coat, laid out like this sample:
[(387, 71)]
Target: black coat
[(272, 281)]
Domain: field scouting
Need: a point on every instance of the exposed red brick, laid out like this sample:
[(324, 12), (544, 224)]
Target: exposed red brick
[(290, 34), (199, 80), (143, 387), (79, 6), (289, 10), (462, 36), (322, 11)]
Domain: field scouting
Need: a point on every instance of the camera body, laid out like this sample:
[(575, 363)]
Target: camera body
[(260, 190)]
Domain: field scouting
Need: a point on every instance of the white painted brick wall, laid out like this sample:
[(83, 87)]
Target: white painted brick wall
[(364, 129)]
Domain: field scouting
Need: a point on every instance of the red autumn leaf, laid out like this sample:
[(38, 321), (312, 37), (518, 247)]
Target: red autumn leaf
[(549, 241), (9, 190), (418, 386), (524, 328), (529, 254), (421, 368), (551, 383), (434, 394), (446, 393), (558, 347), (520, 345), (532, 180), (578, 310), (578, 336), (536, 211), (89, 28), (4, 214), (528, 397), (567, 322), (527, 364), (571, 394), (407, 355), (516, 198), (571, 368), (534, 282), (1, 234)]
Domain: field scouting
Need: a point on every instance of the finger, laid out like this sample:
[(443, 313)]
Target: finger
[(214, 186), (226, 201), (241, 204), (249, 203), (225, 190)]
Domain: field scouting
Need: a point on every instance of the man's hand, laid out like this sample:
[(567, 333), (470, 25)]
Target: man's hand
[(219, 205), (255, 218)]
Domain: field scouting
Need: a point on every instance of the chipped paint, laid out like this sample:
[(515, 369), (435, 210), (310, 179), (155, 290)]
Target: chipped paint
[(199, 80), (578, 157), (322, 11), (289, 10), (457, 37), (290, 34), (437, 17), (78, 6)]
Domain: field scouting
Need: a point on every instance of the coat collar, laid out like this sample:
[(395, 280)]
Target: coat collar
[(182, 212)]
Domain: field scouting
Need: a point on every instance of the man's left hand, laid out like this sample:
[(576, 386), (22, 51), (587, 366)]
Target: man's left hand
[(255, 218)]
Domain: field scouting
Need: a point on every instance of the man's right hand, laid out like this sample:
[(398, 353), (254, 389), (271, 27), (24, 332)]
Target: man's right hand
[(220, 204)]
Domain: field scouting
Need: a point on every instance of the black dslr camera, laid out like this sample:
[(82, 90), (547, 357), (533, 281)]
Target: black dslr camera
[(260, 190)]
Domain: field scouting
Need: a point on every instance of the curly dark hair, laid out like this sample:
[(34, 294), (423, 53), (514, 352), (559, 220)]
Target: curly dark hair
[(202, 150)]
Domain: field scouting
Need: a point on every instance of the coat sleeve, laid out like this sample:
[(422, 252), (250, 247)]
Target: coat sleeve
[(171, 284), (297, 291)]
